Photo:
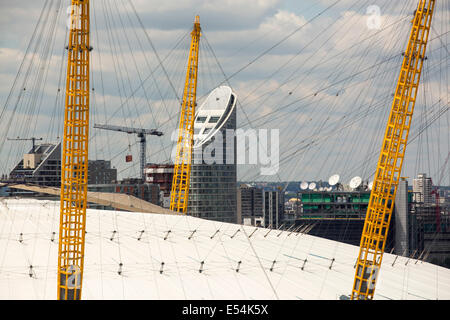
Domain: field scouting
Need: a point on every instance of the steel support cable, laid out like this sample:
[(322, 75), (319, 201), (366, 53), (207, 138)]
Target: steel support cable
[(30, 105), (51, 50), (321, 90), (148, 66), (47, 37), (435, 117), (154, 50), (344, 66), (125, 64), (260, 264), (116, 62), (139, 87), (386, 46), (116, 65), (325, 88), (345, 50), (332, 57), (121, 52), (155, 119), (40, 27), (231, 266), (56, 114), (37, 83), (355, 140), (200, 260), (98, 49), (288, 105), (280, 42), (418, 134), (289, 78), (310, 144), (22, 63)]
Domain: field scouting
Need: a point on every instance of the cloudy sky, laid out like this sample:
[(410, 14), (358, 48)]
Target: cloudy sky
[(320, 72)]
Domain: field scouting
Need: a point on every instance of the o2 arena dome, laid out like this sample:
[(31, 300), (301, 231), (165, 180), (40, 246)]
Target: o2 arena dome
[(213, 114)]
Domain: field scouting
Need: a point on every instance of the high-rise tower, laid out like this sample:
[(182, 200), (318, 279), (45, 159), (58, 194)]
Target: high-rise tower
[(212, 192)]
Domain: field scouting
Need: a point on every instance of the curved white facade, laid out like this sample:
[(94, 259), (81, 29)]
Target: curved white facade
[(213, 114), (29, 236)]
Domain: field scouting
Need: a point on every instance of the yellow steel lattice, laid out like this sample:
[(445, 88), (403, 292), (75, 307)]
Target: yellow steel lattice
[(381, 203), (74, 163), (182, 171)]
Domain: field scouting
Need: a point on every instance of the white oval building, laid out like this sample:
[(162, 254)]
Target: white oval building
[(213, 114), (212, 192)]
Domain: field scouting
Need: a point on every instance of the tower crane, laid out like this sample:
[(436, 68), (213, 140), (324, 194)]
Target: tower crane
[(141, 133), (182, 170), (74, 162), (33, 140), (390, 161)]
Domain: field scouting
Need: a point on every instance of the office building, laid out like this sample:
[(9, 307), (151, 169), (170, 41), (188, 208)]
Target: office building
[(100, 172), (212, 192), (273, 208), (162, 175), (250, 206), (422, 186)]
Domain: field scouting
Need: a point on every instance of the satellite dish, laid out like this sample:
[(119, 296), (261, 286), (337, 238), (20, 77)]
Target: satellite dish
[(312, 186), (334, 179), (370, 185), (355, 182), (304, 185)]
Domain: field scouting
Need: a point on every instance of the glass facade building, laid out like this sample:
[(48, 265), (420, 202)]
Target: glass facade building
[(212, 191)]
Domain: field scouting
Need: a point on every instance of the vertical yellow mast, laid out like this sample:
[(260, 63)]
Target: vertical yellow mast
[(182, 171), (381, 203), (74, 165)]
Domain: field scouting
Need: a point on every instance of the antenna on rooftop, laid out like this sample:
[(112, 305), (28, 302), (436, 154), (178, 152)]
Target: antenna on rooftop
[(355, 182), (304, 185)]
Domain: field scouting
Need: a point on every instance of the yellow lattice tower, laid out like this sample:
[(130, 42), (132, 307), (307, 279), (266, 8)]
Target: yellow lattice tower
[(381, 203), (74, 164), (182, 171)]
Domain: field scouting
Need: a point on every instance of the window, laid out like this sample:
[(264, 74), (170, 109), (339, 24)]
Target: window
[(214, 119), (206, 130), (201, 119)]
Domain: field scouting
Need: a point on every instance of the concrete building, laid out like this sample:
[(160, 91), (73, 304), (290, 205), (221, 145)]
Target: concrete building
[(43, 167), (273, 209), (212, 192), (422, 186), (402, 219), (250, 206), (162, 175), (100, 172)]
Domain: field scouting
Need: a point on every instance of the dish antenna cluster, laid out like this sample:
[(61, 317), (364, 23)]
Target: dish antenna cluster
[(354, 184)]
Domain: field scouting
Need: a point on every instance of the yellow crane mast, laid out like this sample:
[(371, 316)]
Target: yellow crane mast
[(182, 171), (74, 164), (381, 203)]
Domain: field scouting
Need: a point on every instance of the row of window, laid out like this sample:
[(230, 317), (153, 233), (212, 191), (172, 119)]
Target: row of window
[(212, 119)]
